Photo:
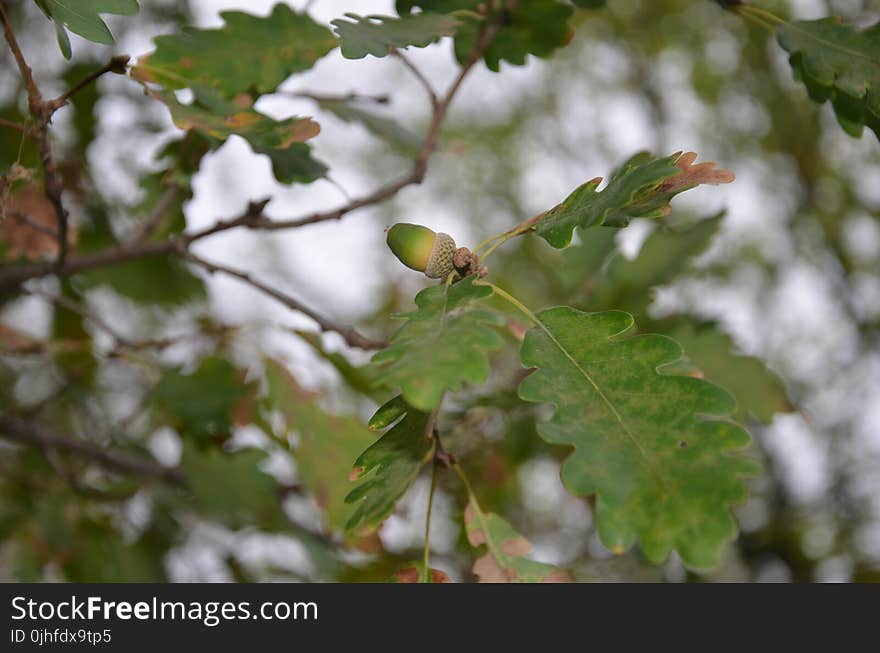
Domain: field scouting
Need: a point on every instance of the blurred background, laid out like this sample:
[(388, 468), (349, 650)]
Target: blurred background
[(772, 282)]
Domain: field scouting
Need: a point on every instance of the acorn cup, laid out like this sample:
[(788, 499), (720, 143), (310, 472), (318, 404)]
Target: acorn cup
[(420, 248)]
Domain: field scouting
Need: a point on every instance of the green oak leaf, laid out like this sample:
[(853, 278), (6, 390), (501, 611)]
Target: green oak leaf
[(389, 466), (658, 451), (326, 445), (83, 17), (249, 54), (442, 345), (505, 561), (641, 188), (536, 27), (380, 35), (839, 63)]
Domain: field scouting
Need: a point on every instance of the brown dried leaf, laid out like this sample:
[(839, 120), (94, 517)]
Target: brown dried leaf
[(28, 224), (411, 575), (695, 175)]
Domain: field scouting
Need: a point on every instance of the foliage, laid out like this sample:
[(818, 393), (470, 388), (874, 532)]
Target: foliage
[(839, 63), (133, 413), (654, 448), (442, 345), (84, 19), (380, 35)]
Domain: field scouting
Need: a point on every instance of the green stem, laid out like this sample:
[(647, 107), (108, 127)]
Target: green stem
[(511, 300), (426, 557)]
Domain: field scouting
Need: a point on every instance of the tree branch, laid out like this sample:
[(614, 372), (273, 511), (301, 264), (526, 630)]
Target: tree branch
[(350, 336), (116, 65), (40, 130), (20, 430)]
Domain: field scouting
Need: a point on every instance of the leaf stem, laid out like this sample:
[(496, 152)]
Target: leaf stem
[(511, 300), (426, 557)]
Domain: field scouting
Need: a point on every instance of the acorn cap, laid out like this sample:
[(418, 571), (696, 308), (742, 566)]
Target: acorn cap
[(422, 249)]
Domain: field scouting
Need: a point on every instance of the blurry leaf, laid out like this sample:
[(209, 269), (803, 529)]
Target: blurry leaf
[(836, 62), (83, 17), (231, 488), (656, 450), (379, 35), (248, 54), (83, 102), (629, 284), (403, 140), (358, 378), (200, 405), (390, 466), (157, 280), (101, 555), (220, 120), (77, 364), (162, 280), (759, 392), (328, 444), (293, 164), (443, 344), (281, 140), (63, 41), (589, 4), (535, 27), (641, 188), (505, 561)]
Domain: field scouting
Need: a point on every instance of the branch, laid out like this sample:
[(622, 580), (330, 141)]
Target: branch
[(116, 65), (19, 430), (350, 336), (40, 130)]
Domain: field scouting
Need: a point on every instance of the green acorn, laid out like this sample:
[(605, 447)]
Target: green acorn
[(421, 249)]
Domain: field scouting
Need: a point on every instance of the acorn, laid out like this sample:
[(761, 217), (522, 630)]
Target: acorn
[(422, 249)]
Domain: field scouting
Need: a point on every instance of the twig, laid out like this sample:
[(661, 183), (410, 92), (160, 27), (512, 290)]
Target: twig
[(116, 65), (149, 225), (19, 430), (13, 125), (27, 220), (40, 130), (429, 89), (350, 336), (382, 98)]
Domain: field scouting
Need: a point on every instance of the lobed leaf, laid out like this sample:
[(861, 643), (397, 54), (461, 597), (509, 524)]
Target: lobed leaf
[(840, 64), (281, 140), (505, 561), (380, 35), (390, 466), (536, 27), (249, 54), (657, 450), (641, 188), (83, 17), (443, 344)]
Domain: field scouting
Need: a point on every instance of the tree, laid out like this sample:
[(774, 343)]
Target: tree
[(140, 424)]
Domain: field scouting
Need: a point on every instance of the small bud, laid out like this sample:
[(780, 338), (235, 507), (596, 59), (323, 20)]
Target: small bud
[(421, 249)]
